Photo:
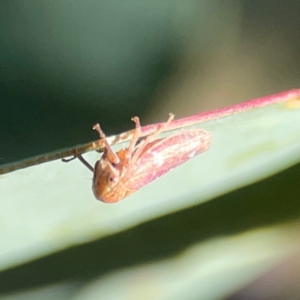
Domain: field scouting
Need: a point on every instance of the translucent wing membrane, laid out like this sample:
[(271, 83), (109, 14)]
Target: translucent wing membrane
[(162, 155)]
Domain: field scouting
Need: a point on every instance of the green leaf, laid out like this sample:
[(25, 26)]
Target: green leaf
[(50, 206)]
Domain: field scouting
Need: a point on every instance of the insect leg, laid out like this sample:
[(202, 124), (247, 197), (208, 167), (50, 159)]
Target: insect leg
[(81, 159), (136, 134), (150, 138), (112, 156), (68, 159)]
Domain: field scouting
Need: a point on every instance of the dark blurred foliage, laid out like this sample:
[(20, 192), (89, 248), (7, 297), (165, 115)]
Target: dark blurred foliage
[(68, 64)]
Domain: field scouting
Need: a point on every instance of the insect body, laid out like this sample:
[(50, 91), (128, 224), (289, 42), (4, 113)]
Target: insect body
[(117, 175)]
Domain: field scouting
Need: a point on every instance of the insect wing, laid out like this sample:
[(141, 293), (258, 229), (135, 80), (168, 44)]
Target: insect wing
[(162, 155)]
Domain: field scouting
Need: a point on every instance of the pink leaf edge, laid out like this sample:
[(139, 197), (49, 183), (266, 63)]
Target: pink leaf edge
[(293, 94)]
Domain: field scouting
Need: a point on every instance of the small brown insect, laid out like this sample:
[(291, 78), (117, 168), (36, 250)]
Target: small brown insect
[(119, 174)]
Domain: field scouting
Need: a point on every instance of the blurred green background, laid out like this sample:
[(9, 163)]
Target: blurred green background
[(68, 64), (65, 65)]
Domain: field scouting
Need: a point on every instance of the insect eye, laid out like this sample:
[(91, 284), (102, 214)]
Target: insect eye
[(112, 179)]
